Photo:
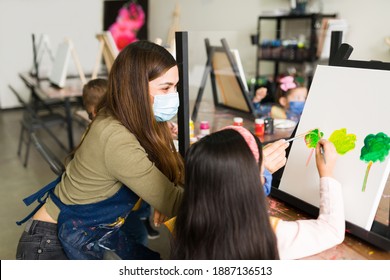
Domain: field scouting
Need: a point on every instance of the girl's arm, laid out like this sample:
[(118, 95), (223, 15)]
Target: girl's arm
[(302, 238)]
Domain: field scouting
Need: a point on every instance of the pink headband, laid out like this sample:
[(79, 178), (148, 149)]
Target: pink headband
[(249, 139), (287, 83)]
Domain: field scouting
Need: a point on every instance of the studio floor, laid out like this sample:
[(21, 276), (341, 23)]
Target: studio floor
[(17, 182)]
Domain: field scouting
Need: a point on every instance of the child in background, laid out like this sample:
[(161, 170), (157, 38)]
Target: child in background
[(224, 212), (291, 96), (93, 93)]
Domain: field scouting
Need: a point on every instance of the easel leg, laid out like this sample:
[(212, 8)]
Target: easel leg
[(98, 60), (201, 90)]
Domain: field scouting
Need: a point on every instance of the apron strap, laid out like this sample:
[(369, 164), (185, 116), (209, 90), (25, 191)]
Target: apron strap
[(39, 194), (38, 197)]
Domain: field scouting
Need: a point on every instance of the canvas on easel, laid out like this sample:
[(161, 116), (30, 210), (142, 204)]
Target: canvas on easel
[(107, 50), (354, 116), (59, 71), (228, 81)]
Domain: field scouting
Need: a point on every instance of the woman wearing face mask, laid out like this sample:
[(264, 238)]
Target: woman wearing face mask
[(126, 155), (291, 97)]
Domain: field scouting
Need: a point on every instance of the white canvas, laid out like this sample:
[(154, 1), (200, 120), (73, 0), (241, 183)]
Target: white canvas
[(60, 66), (237, 57), (355, 99)]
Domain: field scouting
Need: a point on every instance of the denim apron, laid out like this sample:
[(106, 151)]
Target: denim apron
[(87, 231)]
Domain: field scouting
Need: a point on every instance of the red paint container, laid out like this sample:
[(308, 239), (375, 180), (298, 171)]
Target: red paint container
[(259, 127), (238, 121)]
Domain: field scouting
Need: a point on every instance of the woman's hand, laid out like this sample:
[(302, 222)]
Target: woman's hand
[(274, 155), (326, 161), (158, 218), (260, 94), (174, 129)]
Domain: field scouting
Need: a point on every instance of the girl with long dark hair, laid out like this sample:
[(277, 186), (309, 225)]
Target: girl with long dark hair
[(224, 213)]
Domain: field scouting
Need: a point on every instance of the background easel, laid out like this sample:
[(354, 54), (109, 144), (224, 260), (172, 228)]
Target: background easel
[(211, 52), (107, 50), (60, 67), (174, 27), (40, 48)]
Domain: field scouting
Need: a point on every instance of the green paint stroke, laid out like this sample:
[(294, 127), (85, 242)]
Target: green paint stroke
[(342, 141), (376, 148), (312, 138)]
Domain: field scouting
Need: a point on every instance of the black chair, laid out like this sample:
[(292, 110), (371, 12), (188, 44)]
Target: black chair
[(54, 163), (34, 120)]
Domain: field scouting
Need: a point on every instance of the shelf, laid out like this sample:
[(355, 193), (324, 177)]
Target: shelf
[(295, 16), (310, 45), (286, 60)]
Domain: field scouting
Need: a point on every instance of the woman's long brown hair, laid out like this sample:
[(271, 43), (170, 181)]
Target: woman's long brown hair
[(128, 101)]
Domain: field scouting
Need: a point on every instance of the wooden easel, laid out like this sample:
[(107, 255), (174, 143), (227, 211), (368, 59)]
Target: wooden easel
[(107, 50), (245, 106), (61, 64), (174, 27)]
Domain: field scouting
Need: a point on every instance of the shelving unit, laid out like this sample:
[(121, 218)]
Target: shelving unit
[(278, 54)]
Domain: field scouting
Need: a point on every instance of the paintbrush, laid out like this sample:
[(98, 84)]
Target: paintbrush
[(296, 137), (322, 153), (322, 148)]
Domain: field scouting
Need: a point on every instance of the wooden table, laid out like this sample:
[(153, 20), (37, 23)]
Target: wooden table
[(352, 247)]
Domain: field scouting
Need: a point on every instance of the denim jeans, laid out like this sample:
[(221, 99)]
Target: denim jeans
[(39, 241)]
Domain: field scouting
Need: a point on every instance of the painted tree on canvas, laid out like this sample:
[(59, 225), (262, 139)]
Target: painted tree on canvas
[(376, 148)]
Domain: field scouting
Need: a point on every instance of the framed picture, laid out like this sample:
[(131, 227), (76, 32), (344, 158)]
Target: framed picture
[(132, 14)]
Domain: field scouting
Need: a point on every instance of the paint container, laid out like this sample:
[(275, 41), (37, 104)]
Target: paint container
[(238, 121), (268, 126), (192, 129), (193, 138), (204, 129), (259, 127)]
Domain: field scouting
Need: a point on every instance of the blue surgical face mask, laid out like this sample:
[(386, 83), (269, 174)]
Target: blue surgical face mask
[(296, 107), (165, 106)]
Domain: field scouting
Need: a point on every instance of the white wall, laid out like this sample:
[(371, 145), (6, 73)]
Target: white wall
[(79, 20), (234, 20), (214, 19)]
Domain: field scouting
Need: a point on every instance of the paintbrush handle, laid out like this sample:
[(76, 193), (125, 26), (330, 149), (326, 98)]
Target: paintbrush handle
[(296, 137), (291, 139), (322, 153)]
